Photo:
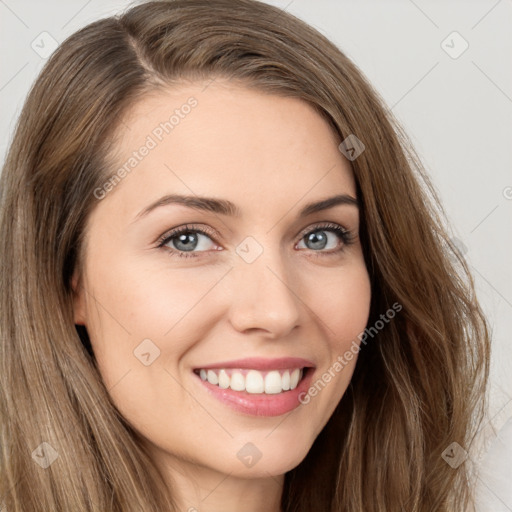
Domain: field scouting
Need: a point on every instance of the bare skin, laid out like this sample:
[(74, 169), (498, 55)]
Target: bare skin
[(270, 156)]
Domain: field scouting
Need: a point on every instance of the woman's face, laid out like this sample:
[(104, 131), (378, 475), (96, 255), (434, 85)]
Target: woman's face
[(276, 279)]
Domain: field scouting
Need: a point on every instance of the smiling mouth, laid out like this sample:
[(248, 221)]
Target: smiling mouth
[(254, 381)]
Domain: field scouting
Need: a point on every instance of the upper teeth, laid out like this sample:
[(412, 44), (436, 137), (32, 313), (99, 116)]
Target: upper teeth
[(253, 381)]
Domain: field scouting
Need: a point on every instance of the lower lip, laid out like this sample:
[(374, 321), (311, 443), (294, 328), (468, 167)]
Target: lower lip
[(260, 404)]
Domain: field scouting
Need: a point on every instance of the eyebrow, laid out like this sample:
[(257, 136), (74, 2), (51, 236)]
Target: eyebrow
[(225, 207)]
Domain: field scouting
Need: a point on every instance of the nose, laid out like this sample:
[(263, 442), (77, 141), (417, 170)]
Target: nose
[(262, 297)]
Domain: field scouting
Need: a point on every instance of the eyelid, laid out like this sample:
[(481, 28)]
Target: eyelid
[(212, 233), (323, 225)]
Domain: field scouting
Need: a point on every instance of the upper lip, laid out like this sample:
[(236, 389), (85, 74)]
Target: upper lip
[(259, 363)]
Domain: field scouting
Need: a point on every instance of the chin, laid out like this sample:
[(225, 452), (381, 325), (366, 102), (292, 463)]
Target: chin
[(267, 460)]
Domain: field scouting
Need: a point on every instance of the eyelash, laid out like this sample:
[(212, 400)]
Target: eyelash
[(346, 236)]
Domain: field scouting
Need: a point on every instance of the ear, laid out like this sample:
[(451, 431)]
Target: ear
[(78, 299)]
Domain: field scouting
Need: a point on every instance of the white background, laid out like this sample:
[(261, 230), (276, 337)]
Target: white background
[(457, 112)]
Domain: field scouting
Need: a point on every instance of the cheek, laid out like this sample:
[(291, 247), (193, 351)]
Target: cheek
[(138, 315), (343, 308), (343, 305), (133, 302)]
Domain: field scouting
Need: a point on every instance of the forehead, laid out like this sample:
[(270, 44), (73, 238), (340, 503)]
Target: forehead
[(226, 141)]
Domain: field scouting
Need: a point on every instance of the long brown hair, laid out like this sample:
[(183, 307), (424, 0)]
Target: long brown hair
[(418, 386)]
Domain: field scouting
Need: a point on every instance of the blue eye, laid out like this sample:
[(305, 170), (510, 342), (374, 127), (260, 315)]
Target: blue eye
[(185, 240), (189, 241), (319, 237)]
